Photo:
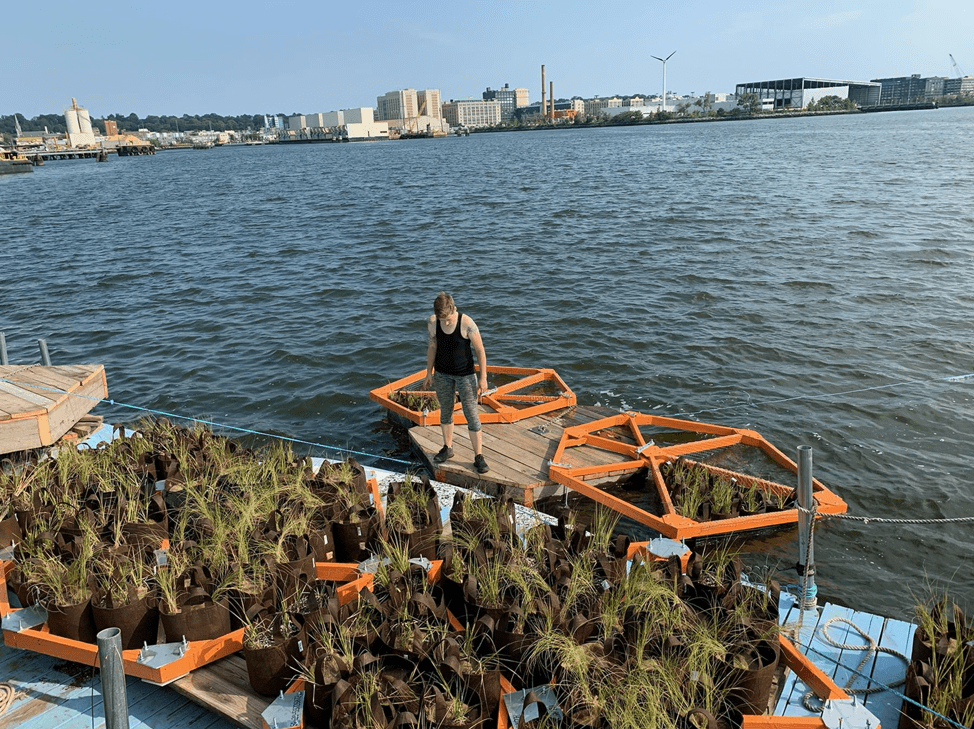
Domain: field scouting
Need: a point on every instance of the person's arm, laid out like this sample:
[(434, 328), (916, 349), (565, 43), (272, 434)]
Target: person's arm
[(430, 350), (473, 334)]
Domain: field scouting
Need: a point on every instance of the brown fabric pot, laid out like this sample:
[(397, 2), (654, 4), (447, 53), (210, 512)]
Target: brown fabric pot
[(272, 669), (75, 622), (350, 539), (10, 531), (204, 620), (138, 621), (751, 687)]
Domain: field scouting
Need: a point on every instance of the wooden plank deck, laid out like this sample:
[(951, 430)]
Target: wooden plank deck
[(40, 404), (56, 694), (517, 453), (841, 664)]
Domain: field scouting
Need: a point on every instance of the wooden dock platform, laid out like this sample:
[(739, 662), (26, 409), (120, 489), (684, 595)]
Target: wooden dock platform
[(39, 404), (818, 627), (517, 453)]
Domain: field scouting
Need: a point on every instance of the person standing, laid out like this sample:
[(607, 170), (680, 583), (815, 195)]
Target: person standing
[(453, 341)]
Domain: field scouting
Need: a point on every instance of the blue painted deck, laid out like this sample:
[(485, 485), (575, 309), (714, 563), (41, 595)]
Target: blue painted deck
[(841, 664), (55, 694)]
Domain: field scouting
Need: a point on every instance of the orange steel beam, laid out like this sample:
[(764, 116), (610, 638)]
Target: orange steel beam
[(506, 688), (782, 722), (808, 672)]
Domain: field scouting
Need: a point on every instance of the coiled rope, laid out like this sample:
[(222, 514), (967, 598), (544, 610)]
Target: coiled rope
[(212, 423), (7, 694), (871, 649)]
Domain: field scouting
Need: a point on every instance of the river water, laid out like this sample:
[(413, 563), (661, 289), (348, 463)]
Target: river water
[(808, 278)]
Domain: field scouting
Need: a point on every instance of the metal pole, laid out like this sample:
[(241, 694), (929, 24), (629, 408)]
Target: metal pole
[(3, 350), (45, 357), (806, 520), (113, 678)]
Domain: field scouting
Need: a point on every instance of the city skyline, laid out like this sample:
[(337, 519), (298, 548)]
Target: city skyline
[(248, 58)]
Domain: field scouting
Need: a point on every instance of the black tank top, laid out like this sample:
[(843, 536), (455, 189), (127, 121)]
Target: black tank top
[(453, 353)]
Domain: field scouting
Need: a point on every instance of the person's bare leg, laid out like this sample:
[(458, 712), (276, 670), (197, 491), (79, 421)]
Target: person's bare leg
[(475, 441), (447, 430)]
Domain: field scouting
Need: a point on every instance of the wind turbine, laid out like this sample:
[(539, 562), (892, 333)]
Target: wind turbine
[(664, 60)]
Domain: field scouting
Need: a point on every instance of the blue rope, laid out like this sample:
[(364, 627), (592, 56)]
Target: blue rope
[(214, 424), (808, 647)]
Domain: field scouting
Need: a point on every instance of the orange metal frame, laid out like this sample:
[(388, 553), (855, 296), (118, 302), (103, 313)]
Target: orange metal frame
[(501, 400), (198, 653), (643, 455)]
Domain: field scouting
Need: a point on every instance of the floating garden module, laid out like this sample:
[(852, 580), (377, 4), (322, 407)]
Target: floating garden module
[(695, 499), (517, 393)]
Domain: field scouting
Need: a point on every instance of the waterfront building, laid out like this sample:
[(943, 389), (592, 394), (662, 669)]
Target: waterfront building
[(472, 112), (397, 105), (295, 122), (797, 93), (111, 128), (597, 105), (428, 103), (510, 99), (271, 122), (911, 89), (959, 86)]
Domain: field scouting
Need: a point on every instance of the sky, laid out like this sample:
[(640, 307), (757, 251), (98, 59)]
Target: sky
[(246, 57)]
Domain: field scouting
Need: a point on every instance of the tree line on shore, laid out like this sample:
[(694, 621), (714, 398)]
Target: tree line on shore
[(133, 122)]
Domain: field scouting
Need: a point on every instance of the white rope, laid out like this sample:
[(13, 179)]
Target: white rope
[(7, 694), (882, 520), (871, 649)]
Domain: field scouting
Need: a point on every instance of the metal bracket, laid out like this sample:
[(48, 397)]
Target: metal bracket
[(157, 656), (539, 429), (286, 711), (560, 465), (491, 391), (648, 444), (514, 702), (372, 564), (7, 553), (848, 714), (666, 548), (28, 617)]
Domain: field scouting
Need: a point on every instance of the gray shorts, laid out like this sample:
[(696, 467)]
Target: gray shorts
[(447, 386)]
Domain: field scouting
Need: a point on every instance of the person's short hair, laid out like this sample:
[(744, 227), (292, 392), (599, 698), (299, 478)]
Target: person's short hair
[(443, 304)]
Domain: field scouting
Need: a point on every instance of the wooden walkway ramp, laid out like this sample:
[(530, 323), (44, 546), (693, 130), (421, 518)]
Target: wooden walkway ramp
[(39, 404), (517, 453), (841, 664)]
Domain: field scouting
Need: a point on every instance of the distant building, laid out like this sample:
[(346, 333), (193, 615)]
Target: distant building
[(346, 124), (510, 99), (597, 105), (955, 86), (472, 112), (911, 89), (111, 128), (428, 103), (397, 105), (563, 109), (797, 93)]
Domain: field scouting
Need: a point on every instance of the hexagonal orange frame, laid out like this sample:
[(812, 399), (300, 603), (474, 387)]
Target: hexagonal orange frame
[(645, 454), (499, 399)]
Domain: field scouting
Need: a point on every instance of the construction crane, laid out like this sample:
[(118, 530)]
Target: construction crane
[(953, 63)]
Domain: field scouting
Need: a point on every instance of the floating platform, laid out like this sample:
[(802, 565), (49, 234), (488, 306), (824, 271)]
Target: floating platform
[(39, 404)]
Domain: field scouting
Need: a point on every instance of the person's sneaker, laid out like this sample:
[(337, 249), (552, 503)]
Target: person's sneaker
[(445, 454), (480, 464)]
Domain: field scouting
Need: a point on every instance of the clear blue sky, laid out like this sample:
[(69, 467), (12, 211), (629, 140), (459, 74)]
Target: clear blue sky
[(284, 57)]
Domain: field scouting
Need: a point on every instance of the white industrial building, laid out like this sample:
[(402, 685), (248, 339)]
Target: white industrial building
[(346, 124), (472, 113)]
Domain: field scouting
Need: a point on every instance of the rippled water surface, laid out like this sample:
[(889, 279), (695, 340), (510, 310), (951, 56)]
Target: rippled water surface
[(807, 278)]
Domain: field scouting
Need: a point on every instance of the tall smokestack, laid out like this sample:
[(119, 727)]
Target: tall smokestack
[(551, 98), (544, 109)]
